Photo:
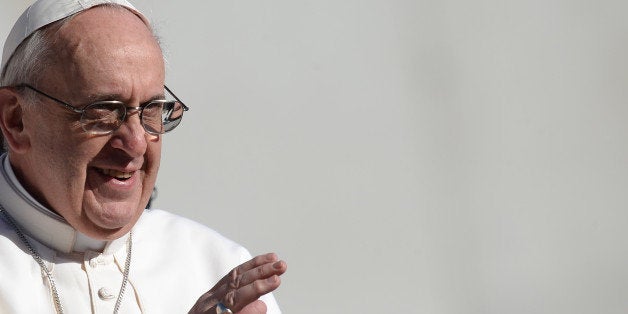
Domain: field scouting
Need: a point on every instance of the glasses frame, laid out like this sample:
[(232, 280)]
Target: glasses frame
[(139, 108)]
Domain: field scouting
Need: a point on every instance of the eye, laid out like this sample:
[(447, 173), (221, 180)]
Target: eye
[(152, 118), (103, 117)]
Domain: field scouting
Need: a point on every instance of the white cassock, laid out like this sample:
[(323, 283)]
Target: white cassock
[(174, 261)]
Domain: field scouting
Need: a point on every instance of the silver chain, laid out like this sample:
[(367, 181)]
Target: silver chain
[(42, 265)]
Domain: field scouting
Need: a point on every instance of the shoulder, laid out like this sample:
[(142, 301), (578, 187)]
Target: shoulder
[(160, 223), (169, 249), (159, 229)]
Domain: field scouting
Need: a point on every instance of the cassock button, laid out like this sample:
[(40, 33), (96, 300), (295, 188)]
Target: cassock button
[(105, 294)]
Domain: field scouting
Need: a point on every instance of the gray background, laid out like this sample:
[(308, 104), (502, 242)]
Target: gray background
[(407, 156)]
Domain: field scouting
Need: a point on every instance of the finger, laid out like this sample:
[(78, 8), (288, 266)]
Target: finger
[(240, 298), (246, 266), (256, 307), (261, 272)]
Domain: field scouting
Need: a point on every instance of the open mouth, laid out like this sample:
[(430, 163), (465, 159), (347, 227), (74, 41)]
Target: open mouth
[(116, 174)]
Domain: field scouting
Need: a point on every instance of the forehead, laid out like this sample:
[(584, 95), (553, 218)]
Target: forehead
[(104, 23), (110, 46)]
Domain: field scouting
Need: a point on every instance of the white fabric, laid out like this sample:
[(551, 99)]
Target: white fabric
[(174, 261), (44, 12)]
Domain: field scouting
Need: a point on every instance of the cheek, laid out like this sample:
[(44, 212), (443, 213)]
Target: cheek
[(52, 133), (67, 166), (64, 155), (152, 160)]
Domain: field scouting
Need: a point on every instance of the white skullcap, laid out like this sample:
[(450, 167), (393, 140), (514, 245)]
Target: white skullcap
[(44, 12)]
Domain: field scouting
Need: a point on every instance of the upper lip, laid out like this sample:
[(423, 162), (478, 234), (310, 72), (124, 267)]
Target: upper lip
[(125, 168)]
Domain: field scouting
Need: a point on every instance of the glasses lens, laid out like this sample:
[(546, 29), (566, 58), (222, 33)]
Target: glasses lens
[(151, 117), (103, 117), (171, 115)]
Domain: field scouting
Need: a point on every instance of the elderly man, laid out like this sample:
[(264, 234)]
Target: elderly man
[(83, 108)]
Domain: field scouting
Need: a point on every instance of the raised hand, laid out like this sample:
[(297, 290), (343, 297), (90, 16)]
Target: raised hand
[(241, 288)]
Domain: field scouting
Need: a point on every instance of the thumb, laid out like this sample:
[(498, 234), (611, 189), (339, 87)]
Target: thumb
[(256, 307)]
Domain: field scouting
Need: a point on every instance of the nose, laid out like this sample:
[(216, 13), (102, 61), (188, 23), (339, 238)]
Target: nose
[(131, 137)]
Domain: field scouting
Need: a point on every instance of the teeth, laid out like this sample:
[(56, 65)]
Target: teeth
[(116, 174)]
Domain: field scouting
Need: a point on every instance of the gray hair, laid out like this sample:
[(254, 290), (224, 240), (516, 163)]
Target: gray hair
[(31, 57)]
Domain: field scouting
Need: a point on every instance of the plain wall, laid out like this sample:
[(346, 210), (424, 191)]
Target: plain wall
[(406, 156)]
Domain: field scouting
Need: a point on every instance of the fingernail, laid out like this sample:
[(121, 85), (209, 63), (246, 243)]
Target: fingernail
[(277, 265)]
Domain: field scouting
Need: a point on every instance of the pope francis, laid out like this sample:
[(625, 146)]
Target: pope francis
[(83, 108)]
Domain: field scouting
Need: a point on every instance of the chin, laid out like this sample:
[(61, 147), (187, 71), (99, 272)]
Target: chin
[(113, 219)]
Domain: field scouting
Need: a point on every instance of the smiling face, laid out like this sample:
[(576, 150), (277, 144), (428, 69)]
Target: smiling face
[(99, 184)]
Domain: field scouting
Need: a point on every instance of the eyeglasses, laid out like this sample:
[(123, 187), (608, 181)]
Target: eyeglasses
[(103, 117)]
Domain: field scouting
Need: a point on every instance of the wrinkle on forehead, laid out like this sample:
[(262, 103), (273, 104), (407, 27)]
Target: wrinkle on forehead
[(101, 42)]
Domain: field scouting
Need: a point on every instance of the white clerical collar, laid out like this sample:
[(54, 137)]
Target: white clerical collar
[(41, 223)]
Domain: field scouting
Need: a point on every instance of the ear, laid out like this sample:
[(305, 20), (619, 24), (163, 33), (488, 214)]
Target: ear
[(11, 123)]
